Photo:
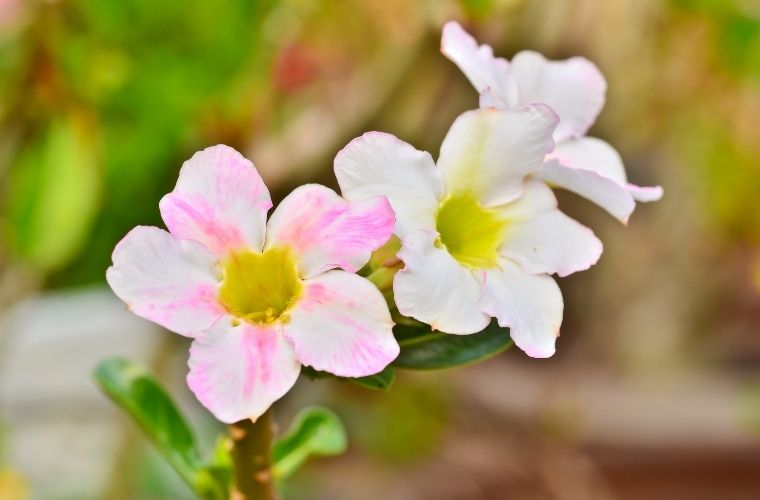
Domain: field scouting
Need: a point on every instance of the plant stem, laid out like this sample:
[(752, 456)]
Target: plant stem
[(252, 458)]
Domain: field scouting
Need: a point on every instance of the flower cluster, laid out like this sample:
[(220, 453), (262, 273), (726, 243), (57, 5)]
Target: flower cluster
[(480, 232)]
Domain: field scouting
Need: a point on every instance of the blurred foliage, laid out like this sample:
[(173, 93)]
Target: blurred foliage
[(152, 78), (53, 195), (403, 425), (750, 407), (715, 139), (736, 33)]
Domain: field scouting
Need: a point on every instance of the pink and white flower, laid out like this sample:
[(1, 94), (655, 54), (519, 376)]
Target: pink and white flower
[(575, 90), (478, 240), (259, 298)]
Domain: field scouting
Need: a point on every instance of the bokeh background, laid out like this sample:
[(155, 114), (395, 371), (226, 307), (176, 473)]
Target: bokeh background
[(655, 390)]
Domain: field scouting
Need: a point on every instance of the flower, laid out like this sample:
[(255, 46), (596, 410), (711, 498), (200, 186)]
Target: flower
[(478, 241), (575, 90), (258, 298)]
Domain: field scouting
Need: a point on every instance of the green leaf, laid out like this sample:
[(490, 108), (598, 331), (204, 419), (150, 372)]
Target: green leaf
[(315, 431), (422, 349), (132, 388), (313, 374), (379, 381)]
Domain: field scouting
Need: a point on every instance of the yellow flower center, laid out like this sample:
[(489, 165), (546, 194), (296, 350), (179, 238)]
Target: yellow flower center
[(260, 287), (470, 232)]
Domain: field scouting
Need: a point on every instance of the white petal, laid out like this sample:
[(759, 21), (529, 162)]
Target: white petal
[(342, 325), (590, 153), (238, 372), (477, 63), (379, 164), (325, 231), (573, 88), (544, 240), (489, 151), (489, 100), (602, 191), (220, 201), (530, 305), (593, 169), (166, 280), (435, 289), (644, 194)]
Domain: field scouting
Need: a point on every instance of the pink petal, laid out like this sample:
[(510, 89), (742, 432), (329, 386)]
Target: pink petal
[(237, 372), (220, 201), (544, 240), (342, 325), (489, 152), (166, 280), (435, 289), (378, 164), (325, 231), (482, 69), (530, 305), (574, 89)]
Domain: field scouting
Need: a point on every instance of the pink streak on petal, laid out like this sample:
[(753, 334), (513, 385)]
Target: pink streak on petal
[(219, 201), (342, 325), (325, 231), (195, 209), (166, 280), (237, 372)]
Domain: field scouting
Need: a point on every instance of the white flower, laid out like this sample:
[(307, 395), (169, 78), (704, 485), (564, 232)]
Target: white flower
[(575, 90), (478, 241)]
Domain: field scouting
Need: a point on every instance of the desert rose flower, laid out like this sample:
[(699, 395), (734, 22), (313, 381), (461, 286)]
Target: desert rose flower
[(478, 241), (258, 298), (575, 90)]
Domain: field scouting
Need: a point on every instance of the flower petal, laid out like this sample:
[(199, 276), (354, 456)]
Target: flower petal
[(573, 88), (490, 151), (220, 201), (166, 280), (603, 191), (644, 194), (593, 169), (482, 69), (378, 164), (590, 153), (342, 325), (237, 372), (530, 305), (544, 240), (434, 288), (326, 231)]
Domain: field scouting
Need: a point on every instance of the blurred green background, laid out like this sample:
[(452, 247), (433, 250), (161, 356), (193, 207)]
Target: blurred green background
[(655, 390)]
